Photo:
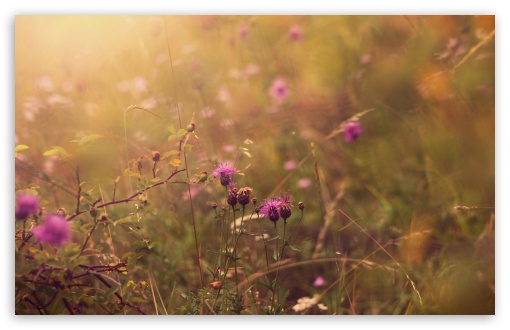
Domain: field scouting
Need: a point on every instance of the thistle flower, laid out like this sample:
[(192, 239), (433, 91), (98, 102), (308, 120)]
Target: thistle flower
[(271, 209), (296, 33), (285, 205), (26, 205), (352, 130), (232, 194), (279, 90), (224, 170), (55, 230), (243, 195)]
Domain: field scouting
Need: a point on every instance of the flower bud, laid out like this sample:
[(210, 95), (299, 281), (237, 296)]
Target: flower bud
[(301, 205), (191, 127), (156, 156)]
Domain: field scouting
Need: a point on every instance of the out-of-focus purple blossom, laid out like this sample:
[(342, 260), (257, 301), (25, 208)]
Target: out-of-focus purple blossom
[(243, 31), (290, 165), (208, 112), (319, 281), (229, 148), (55, 230), (304, 183), (352, 130), (223, 94), (251, 69), (26, 205), (279, 90), (365, 58), (140, 84), (45, 84), (296, 33)]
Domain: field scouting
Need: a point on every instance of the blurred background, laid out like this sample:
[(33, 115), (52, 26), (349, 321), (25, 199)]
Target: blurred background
[(284, 83)]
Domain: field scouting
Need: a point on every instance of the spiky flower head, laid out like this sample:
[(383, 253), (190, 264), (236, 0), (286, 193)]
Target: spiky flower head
[(232, 194), (352, 130), (285, 205), (55, 230), (243, 195), (224, 171), (271, 209), (26, 205)]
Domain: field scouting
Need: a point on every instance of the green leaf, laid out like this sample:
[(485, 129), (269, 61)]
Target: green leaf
[(181, 132), (293, 247), (87, 139), (272, 238), (57, 151)]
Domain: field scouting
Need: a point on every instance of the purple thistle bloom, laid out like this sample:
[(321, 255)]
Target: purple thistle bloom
[(26, 205), (296, 33), (271, 209), (279, 90), (224, 170), (55, 230), (352, 130), (285, 205)]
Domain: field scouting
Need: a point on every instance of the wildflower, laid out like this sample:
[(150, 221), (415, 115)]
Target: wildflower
[(296, 33), (319, 281), (304, 303), (243, 31), (278, 90), (285, 205), (243, 195), (224, 170), (232, 194), (301, 205), (26, 205), (271, 209), (156, 156), (55, 230), (352, 130), (290, 165), (304, 183)]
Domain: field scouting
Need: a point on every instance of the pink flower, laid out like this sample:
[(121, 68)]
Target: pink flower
[(290, 165), (26, 205), (352, 130), (243, 31), (296, 33), (279, 90), (224, 170), (319, 281), (304, 183), (55, 230)]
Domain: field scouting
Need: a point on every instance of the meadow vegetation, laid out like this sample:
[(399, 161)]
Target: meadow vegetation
[(255, 165)]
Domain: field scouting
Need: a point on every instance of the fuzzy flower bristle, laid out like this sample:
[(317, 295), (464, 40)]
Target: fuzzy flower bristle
[(224, 171), (271, 209), (26, 205), (352, 130), (55, 230)]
